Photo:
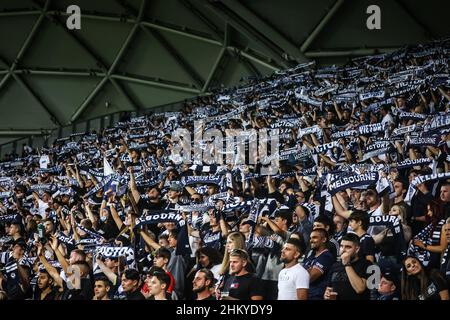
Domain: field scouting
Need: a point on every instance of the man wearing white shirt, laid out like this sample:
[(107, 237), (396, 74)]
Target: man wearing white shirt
[(43, 204), (293, 280), (387, 117)]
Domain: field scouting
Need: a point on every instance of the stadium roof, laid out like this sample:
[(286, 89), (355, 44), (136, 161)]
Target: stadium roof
[(139, 54)]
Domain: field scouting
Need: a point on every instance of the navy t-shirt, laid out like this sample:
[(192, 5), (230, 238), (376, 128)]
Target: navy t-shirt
[(212, 239), (323, 263)]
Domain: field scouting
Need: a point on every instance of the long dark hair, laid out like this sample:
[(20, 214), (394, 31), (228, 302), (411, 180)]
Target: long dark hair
[(438, 212), (213, 255), (411, 283)]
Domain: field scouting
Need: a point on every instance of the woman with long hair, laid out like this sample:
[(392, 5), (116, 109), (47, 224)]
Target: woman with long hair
[(431, 241), (420, 284), (207, 258), (235, 240)]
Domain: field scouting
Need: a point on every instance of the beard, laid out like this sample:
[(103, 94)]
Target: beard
[(285, 260), (198, 289)]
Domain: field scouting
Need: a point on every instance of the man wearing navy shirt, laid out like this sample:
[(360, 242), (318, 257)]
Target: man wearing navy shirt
[(318, 262), (213, 236)]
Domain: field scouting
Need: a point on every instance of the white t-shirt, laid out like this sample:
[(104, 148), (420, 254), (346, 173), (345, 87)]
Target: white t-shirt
[(42, 207), (291, 279), (387, 119)]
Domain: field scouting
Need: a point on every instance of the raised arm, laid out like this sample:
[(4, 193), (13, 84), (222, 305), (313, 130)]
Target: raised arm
[(339, 208), (116, 217), (62, 261), (132, 185), (50, 269), (148, 240), (90, 215), (107, 271)]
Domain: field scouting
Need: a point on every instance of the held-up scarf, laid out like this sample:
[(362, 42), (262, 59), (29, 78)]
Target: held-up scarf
[(422, 142), (191, 180), (377, 148), (352, 180), (408, 163), (422, 179), (394, 224), (116, 252), (370, 129)]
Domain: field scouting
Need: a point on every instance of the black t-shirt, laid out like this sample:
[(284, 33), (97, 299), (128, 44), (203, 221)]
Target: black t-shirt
[(109, 229), (85, 293), (148, 205), (340, 282), (418, 207), (243, 287), (211, 297), (52, 295), (135, 295), (436, 284), (367, 246)]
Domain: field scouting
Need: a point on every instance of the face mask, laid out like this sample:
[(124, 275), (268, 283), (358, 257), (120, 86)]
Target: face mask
[(448, 143), (103, 218)]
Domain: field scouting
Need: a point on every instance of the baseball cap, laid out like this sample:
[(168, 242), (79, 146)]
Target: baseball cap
[(391, 276)]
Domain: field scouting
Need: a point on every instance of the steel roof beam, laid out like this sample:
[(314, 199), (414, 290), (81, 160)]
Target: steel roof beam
[(25, 45), (214, 68), (349, 52), (323, 22), (63, 72), (246, 29), (24, 132), (211, 25), (88, 100), (19, 13), (32, 93), (37, 99), (79, 111), (425, 28), (182, 62), (261, 61), (156, 83), (270, 32)]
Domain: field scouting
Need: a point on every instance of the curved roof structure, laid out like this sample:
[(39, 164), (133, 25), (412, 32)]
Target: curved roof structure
[(140, 54)]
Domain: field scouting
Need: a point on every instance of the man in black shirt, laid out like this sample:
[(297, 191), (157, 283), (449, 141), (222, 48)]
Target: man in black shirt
[(131, 285), (347, 278), (202, 284), (359, 222), (242, 285), (401, 187)]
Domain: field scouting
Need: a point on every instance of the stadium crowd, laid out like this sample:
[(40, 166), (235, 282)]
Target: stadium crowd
[(358, 208)]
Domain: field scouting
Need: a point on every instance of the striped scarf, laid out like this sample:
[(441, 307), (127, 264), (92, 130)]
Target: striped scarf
[(430, 235)]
